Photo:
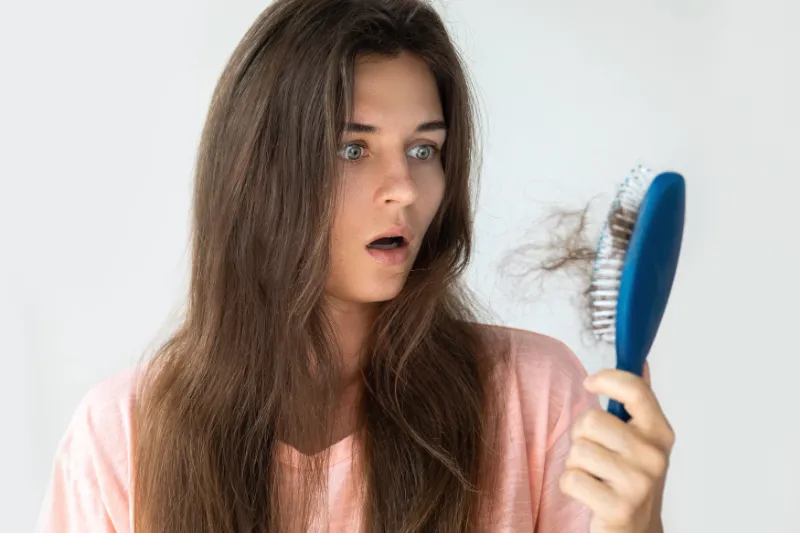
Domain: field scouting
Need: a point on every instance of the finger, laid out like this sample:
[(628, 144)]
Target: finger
[(584, 488), (646, 374), (639, 400), (605, 429), (625, 441), (599, 461)]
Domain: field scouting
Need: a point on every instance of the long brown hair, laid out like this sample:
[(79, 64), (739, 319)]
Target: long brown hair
[(254, 361)]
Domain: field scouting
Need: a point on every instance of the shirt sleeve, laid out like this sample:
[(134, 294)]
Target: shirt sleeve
[(558, 513), (552, 396), (88, 485)]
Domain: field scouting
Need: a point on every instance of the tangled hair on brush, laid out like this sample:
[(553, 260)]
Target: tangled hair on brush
[(568, 247)]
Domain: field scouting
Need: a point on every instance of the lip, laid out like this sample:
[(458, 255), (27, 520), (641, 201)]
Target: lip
[(394, 257), (394, 231)]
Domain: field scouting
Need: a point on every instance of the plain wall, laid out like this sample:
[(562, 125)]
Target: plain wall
[(101, 107)]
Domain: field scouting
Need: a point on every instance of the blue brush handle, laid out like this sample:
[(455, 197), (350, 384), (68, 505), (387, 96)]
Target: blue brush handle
[(648, 273)]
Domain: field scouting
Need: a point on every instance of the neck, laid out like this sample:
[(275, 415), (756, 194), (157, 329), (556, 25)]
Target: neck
[(352, 322)]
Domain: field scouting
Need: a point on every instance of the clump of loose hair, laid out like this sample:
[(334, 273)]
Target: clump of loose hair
[(564, 243), (561, 242)]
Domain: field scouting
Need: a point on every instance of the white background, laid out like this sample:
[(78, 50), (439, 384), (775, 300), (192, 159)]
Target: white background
[(101, 105)]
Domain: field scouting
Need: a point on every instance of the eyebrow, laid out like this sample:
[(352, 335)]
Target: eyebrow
[(357, 127)]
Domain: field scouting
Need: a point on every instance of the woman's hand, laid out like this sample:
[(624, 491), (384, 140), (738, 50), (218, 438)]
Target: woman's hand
[(618, 469)]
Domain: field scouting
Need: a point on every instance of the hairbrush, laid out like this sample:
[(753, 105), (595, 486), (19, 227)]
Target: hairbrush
[(634, 267)]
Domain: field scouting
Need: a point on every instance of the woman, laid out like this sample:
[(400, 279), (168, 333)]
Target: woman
[(330, 373)]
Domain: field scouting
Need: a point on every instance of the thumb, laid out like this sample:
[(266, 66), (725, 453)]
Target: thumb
[(646, 373)]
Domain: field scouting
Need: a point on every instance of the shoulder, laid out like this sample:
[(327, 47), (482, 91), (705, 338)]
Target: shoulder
[(544, 382), (104, 416), (536, 357), (91, 474)]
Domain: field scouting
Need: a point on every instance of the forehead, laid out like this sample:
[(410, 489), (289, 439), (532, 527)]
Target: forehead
[(395, 88)]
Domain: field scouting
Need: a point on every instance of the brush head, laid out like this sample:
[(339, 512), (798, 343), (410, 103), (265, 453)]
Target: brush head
[(635, 266), (612, 247), (635, 263)]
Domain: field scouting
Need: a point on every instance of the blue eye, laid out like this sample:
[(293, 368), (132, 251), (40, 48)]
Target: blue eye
[(352, 152), (423, 152)]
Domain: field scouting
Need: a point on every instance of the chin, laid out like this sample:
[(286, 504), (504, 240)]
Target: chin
[(368, 293), (382, 292)]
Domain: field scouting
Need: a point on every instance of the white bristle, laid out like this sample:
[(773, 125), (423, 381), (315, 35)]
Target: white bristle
[(605, 303), (611, 249), (610, 261), (601, 273), (606, 293), (605, 283)]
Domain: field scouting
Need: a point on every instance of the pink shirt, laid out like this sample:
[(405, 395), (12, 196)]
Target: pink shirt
[(89, 489)]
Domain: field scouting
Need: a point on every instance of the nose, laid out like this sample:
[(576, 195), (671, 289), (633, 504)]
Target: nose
[(398, 185)]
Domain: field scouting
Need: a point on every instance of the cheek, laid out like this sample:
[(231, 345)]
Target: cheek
[(431, 184), (350, 212), (338, 267)]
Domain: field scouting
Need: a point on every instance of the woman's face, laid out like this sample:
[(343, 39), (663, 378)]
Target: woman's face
[(392, 178)]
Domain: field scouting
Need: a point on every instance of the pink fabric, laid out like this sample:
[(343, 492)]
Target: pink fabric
[(89, 489)]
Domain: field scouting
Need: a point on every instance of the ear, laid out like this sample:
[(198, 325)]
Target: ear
[(646, 373)]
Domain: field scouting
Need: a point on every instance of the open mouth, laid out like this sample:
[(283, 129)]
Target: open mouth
[(387, 243)]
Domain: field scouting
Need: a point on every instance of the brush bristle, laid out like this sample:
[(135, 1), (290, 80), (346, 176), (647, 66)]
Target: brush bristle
[(611, 249)]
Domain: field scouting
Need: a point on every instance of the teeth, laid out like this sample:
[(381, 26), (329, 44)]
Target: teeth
[(391, 246), (386, 243)]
